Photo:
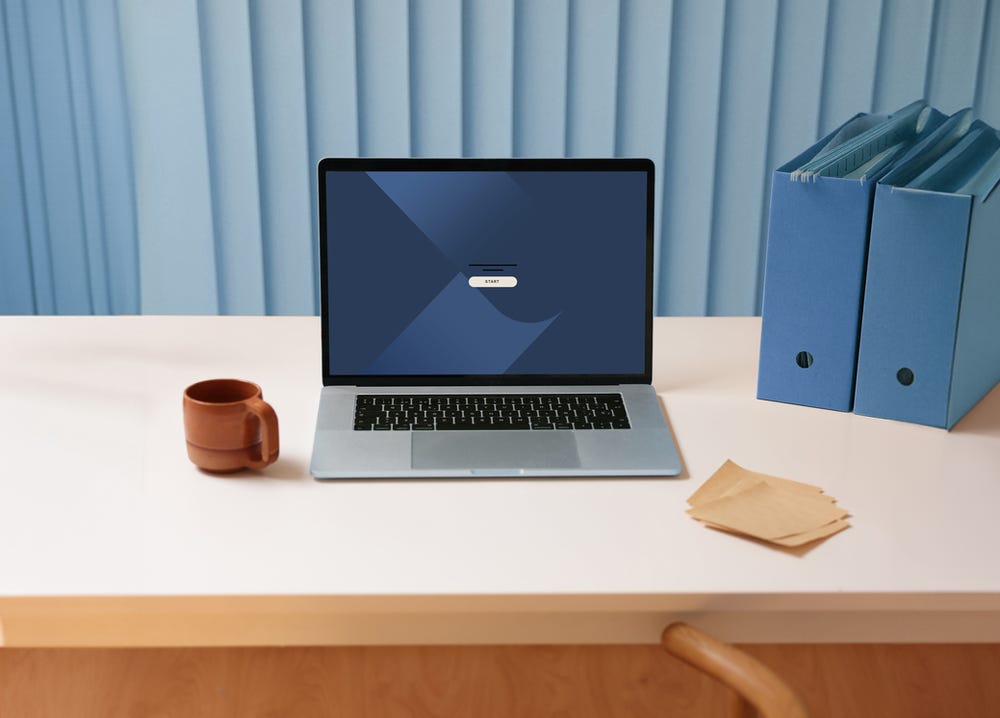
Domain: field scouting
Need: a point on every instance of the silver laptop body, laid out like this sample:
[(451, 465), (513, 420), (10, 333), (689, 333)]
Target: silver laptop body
[(487, 318)]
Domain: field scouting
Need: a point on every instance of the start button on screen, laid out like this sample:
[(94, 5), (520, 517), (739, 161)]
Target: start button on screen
[(490, 282)]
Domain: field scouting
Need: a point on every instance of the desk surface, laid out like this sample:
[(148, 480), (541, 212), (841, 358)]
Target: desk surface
[(110, 537)]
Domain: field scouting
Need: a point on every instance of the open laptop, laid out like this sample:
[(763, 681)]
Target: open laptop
[(488, 317)]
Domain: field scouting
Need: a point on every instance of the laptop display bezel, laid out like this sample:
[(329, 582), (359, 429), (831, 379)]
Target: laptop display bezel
[(354, 164)]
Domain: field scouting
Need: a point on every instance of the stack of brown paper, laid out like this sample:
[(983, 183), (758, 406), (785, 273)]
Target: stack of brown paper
[(781, 511)]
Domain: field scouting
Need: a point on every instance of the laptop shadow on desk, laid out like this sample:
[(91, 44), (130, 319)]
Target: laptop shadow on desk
[(389, 480)]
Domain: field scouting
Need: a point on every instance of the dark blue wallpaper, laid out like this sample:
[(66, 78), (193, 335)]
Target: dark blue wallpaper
[(403, 246)]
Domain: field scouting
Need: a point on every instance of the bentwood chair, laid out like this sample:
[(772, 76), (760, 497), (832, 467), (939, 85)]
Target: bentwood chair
[(757, 690)]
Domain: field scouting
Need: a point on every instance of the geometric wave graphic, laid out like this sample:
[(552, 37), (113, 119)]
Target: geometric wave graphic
[(459, 332), (462, 213)]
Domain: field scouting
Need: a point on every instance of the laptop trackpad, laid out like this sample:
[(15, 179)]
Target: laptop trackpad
[(494, 450)]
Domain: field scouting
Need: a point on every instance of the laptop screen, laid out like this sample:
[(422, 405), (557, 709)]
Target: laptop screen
[(486, 271)]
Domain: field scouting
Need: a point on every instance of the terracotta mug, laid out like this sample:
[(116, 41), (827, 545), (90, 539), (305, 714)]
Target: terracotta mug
[(229, 426)]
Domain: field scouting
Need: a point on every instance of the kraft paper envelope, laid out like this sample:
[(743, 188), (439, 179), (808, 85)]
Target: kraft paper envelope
[(781, 511), (795, 539), (730, 474), (769, 513), (806, 536)]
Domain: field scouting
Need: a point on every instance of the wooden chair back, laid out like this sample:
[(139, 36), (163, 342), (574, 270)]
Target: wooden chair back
[(758, 691)]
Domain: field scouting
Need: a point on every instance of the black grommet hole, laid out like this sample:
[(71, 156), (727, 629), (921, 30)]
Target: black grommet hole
[(905, 376), (804, 359)]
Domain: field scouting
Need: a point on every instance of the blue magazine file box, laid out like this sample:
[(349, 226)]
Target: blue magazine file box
[(814, 273), (930, 336)]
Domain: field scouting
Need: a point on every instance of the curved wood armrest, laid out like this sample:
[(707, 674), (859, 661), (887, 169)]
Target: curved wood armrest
[(752, 680)]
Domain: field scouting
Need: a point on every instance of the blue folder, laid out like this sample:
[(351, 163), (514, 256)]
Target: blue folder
[(813, 279), (930, 334)]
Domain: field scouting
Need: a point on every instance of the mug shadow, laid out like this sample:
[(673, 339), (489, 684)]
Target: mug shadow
[(284, 469)]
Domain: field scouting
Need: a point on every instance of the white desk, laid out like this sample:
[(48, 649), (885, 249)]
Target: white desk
[(110, 537)]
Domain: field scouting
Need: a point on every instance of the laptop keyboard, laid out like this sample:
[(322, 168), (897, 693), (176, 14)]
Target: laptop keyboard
[(407, 412)]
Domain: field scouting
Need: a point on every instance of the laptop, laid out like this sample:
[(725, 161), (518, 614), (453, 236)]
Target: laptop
[(488, 318)]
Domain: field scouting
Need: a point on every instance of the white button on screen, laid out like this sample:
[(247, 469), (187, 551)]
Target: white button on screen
[(488, 282)]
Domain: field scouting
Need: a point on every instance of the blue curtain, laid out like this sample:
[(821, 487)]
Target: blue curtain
[(158, 156)]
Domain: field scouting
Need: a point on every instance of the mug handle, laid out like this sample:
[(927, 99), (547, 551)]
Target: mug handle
[(268, 431)]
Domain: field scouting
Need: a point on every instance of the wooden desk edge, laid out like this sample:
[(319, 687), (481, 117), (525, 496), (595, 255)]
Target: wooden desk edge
[(155, 621)]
